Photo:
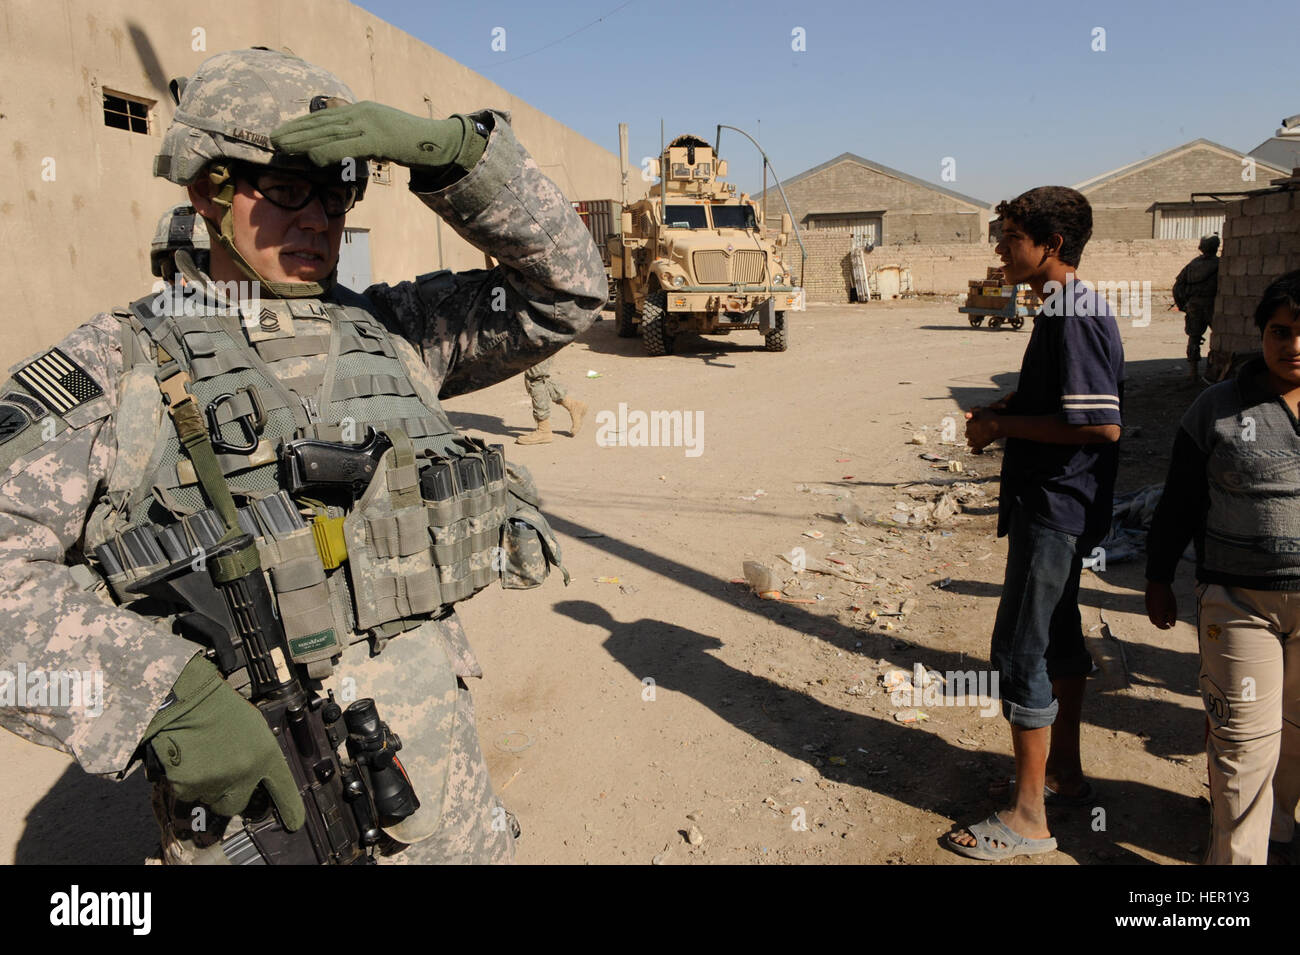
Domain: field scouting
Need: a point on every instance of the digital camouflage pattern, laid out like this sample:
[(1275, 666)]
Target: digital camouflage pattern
[(468, 330), (1194, 292), (232, 104), (543, 389)]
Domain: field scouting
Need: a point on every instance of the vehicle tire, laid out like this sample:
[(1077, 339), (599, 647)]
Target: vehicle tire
[(976, 321), (994, 321), (1017, 323), (778, 339), (624, 314), (654, 333)]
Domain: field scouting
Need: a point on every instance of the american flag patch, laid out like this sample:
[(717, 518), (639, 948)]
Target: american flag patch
[(58, 381)]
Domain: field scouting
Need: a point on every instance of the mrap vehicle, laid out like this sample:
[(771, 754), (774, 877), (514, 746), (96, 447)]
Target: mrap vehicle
[(691, 256)]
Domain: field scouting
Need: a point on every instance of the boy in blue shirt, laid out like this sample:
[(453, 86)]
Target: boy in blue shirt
[(1061, 426)]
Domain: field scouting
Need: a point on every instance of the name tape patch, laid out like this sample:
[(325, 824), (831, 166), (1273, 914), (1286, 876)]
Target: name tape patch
[(58, 381)]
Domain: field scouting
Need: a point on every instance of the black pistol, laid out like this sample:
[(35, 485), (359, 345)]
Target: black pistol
[(308, 464)]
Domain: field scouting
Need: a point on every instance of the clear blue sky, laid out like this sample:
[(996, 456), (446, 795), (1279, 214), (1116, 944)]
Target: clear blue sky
[(1011, 90)]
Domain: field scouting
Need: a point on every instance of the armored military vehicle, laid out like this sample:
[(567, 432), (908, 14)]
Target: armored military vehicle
[(692, 257)]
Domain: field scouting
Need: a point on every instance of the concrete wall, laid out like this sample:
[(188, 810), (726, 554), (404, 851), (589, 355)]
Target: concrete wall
[(78, 242), (912, 213), (1122, 207), (945, 269), (1261, 241)]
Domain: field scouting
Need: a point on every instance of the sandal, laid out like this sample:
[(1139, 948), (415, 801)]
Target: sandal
[(993, 830)]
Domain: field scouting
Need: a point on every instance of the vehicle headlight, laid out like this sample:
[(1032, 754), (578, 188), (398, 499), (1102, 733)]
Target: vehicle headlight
[(678, 281), (778, 279)]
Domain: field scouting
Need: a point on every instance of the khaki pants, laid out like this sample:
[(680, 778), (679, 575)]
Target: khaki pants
[(1250, 684), (542, 389)]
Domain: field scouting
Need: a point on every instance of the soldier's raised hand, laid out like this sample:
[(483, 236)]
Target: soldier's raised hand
[(369, 130)]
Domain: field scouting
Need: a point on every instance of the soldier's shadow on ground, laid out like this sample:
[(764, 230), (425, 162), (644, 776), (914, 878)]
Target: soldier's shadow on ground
[(486, 423), (88, 820), (910, 764)]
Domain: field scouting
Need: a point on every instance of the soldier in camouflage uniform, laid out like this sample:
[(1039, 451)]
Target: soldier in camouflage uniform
[(543, 389), (273, 150), (1194, 292)]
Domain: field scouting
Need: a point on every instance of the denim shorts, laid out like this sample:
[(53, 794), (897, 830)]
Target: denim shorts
[(1038, 634)]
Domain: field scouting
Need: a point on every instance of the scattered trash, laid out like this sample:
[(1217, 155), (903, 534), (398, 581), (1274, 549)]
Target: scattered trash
[(947, 466), (762, 580), (968, 742), (894, 679), (838, 761), (592, 374), (912, 715), (662, 857), (759, 493), (809, 489), (927, 456), (815, 535), (605, 580), (516, 741), (941, 584), (818, 566), (748, 497), (843, 460), (847, 477), (917, 438)]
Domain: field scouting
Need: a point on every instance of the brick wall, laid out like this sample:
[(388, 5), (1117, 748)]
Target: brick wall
[(1122, 207), (1261, 241), (946, 268)]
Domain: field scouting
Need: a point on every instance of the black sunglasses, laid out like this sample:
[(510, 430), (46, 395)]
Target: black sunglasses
[(294, 192)]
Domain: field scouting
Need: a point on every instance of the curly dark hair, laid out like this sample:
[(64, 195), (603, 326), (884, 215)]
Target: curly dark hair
[(1050, 210), (1284, 291)]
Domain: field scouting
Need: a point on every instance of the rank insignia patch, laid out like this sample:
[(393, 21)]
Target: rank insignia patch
[(58, 381)]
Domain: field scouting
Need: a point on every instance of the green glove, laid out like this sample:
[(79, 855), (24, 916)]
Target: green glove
[(216, 748), (374, 131)]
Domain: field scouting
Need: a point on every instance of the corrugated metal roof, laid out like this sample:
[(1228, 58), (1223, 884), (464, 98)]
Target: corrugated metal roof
[(1279, 153)]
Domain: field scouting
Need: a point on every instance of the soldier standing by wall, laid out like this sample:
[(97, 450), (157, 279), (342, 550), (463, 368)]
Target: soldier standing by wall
[(1194, 292)]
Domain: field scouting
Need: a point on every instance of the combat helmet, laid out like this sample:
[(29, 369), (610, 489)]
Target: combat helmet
[(181, 229), (227, 111)]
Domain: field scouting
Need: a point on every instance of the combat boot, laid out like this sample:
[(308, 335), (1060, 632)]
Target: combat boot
[(577, 413), (542, 435)]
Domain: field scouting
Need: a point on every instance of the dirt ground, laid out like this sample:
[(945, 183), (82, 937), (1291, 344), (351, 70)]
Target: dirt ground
[(765, 735)]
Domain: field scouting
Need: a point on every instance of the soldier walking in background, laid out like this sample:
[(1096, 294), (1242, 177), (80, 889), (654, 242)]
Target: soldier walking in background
[(543, 389), (1194, 292)]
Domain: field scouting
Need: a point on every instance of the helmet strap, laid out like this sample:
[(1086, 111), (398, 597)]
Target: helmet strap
[(221, 177)]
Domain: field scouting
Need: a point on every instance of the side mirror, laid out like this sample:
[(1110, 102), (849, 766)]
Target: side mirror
[(787, 224), (625, 223), (722, 168)]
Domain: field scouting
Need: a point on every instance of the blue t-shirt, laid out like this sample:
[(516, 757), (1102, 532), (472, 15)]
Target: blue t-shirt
[(1073, 367)]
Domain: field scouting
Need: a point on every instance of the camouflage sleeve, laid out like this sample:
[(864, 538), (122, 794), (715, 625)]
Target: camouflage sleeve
[(479, 327), (76, 672)]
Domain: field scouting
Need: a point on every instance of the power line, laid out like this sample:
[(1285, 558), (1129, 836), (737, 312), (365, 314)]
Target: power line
[(547, 46)]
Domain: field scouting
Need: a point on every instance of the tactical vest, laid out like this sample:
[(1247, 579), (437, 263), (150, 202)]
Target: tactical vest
[(387, 563)]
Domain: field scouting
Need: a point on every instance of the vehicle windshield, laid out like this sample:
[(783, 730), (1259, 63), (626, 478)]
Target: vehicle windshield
[(685, 217), (734, 217)]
